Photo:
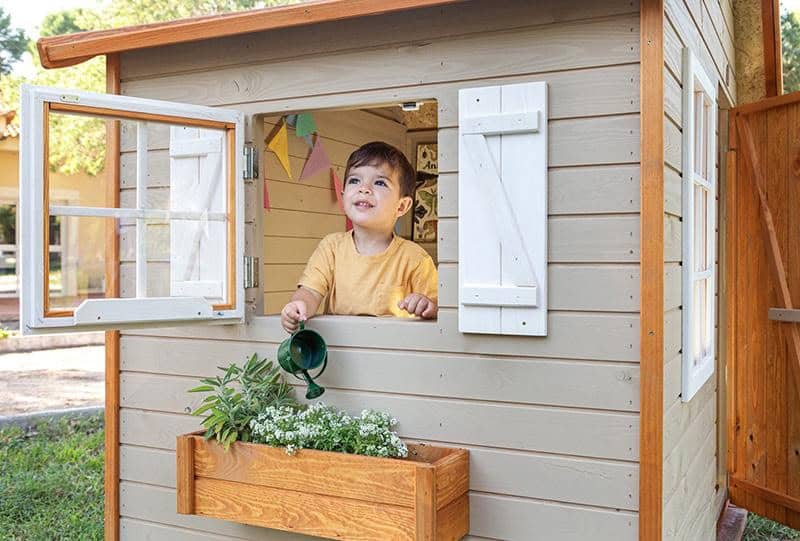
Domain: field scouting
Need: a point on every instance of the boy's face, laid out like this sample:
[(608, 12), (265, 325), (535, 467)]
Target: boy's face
[(372, 197)]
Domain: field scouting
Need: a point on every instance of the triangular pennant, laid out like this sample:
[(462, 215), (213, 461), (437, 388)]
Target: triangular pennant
[(279, 144), (305, 124), (291, 120), (317, 160), (266, 195), (338, 188), (348, 225)]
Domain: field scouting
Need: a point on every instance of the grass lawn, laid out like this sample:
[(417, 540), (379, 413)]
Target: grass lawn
[(51, 480), (762, 529)]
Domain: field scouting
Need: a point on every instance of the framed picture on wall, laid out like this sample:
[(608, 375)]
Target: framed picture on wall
[(425, 215)]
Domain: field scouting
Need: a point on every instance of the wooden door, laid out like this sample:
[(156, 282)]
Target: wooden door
[(763, 273)]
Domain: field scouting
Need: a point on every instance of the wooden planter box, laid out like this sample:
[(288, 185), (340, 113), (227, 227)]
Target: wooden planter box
[(326, 494)]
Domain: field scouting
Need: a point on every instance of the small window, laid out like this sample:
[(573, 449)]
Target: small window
[(302, 205), (699, 225), (179, 217)]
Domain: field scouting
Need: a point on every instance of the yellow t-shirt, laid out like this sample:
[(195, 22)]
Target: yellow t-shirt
[(356, 284)]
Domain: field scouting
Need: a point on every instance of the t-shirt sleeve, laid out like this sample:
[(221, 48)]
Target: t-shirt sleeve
[(424, 279), (318, 274)]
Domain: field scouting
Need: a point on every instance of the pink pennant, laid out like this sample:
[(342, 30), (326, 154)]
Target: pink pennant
[(337, 187), (348, 225), (266, 195), (317, 160)]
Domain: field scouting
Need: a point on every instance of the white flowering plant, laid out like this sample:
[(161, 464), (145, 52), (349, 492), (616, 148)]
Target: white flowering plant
[(324, 428)]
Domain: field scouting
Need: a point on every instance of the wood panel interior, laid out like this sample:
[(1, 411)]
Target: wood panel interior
[(302, 212)]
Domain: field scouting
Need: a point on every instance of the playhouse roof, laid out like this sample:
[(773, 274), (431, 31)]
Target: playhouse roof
[(70, 49)]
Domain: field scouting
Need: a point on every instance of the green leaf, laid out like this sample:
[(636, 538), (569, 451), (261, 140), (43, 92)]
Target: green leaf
[(201, 389)]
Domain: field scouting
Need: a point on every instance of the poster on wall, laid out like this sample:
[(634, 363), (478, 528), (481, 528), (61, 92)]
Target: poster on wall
[(425, 195)]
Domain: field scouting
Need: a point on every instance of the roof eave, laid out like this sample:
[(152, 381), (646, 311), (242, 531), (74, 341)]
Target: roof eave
[(71, 49)]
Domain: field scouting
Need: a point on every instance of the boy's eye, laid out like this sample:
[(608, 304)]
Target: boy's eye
[(380, 183), (352, 180)]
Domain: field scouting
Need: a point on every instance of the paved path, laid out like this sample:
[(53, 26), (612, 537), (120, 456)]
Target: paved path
[(51, 379)]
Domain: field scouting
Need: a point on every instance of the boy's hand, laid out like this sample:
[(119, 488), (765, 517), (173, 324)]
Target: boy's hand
[(292, 314), (419, 305)]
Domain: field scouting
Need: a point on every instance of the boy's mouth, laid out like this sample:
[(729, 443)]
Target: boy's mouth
[(362, 204)]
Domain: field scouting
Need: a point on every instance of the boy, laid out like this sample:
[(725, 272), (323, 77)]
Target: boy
[(369, 270)]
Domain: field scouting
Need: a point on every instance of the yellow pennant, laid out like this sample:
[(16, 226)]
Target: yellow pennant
[(279, 144)]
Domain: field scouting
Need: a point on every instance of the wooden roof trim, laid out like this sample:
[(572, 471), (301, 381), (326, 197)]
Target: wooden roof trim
[(71, 49)]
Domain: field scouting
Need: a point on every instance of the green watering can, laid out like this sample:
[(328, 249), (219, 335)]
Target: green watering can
[(303, 351)]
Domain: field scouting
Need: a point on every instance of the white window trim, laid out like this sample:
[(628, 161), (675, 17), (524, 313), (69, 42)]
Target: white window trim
[(694, 375), (98, 314)]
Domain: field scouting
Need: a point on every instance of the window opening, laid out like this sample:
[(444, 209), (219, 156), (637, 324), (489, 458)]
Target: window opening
[(301, 209)]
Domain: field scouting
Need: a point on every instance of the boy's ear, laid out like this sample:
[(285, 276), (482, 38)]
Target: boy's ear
[(404, 205)]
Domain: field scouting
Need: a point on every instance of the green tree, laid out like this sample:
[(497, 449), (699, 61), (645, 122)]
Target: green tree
[(790, 43), (13, 43), (63, 22), (69, 133)]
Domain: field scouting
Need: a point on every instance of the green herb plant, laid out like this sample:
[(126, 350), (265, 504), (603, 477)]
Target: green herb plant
[(324, 428), (239, 396)]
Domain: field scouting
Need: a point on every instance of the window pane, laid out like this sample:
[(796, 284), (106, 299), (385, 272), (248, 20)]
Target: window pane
[(173, 216), (708, 152), (699, 133), (181, 250), (700, 228), (699, 319), (76, 263)]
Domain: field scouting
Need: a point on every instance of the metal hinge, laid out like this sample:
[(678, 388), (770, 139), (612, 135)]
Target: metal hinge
[(250, 162), (250, 271)]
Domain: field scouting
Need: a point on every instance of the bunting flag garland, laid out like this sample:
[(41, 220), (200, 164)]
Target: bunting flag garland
[(279, 144), (305, 125), (317, 160), (338, 188), (291, 120)]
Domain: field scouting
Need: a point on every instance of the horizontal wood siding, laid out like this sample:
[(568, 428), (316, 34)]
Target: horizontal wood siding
[(552, 423), (692, 498)]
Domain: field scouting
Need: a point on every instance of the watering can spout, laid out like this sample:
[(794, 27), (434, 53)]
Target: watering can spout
[(305, 350)]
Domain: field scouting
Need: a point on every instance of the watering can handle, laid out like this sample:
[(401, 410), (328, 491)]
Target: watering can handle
[(324, 364)]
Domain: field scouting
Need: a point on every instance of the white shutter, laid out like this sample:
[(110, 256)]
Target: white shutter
[(197, 247), (502, 216)]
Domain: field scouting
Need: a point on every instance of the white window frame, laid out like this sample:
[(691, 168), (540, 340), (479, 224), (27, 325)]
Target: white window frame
[(117, 313), (699, 143)]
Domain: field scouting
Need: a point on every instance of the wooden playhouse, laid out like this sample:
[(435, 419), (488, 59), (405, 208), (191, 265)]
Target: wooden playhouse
[(576, 151)]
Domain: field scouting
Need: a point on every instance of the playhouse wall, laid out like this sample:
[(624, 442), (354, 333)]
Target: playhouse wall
[(552, 423), (694, 481)]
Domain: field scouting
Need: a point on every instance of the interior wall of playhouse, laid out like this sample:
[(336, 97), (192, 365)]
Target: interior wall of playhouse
[(301, 205)]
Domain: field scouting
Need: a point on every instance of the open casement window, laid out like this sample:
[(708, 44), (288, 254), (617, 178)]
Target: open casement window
[(180, 217), (699, 225), (502, 209)]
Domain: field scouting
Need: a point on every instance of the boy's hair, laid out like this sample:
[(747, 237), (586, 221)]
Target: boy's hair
[(378, 152)]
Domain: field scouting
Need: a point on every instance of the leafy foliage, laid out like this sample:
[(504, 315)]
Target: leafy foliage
[(68, 21), (13, 42), (790, 42), (324, 428), (89, 135), (240, 395)]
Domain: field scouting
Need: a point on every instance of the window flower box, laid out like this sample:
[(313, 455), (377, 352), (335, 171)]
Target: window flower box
[(327, 494)]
